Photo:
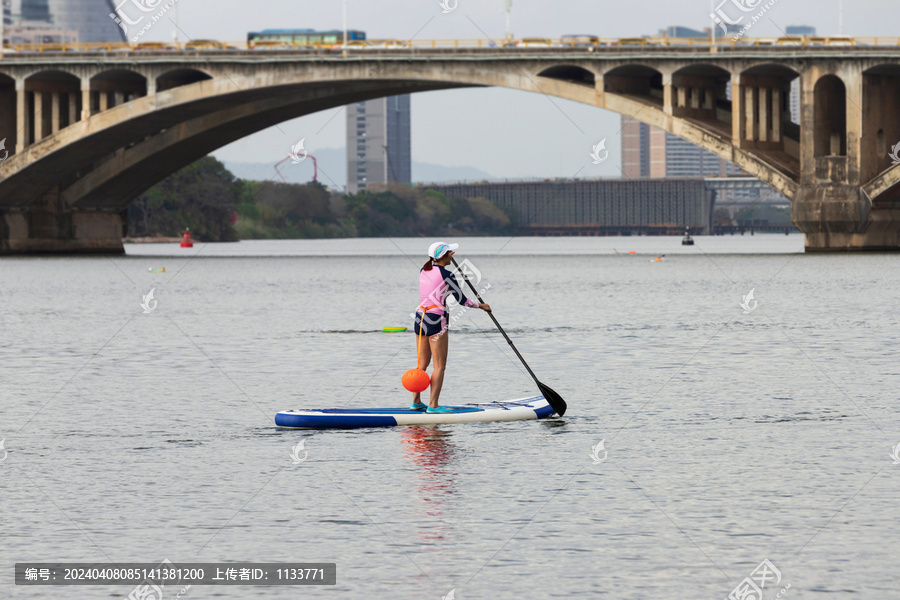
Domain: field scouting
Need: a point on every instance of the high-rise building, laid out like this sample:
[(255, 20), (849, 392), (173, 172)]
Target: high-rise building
[(683, 32), (800, 30), (651, 152), (5, 21), (90, 18), (378, 142), (684, 159), (7, 12), (35, 10), (795, 100), (37, 32), (635, 149)]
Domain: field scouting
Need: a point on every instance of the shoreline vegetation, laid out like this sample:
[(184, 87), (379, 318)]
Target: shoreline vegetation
[(218, 207)]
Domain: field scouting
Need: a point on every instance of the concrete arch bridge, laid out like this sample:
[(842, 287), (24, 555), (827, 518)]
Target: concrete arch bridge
[(89, 131)]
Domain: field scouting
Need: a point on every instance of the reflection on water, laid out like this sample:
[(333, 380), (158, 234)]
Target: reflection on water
[(432, 452)]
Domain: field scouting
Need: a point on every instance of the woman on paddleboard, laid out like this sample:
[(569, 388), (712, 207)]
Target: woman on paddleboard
[(436, 284)]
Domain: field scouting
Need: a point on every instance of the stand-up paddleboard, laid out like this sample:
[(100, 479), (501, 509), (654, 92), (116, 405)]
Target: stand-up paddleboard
[(350, 418)]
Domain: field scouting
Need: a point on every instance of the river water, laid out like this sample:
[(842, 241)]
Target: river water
[(730, 437)]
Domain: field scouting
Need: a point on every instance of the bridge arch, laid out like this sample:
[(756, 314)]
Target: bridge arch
[(50, 103), (164, 133), (700, 92), (180, 77), (57, 75), (570, 74), (637, 81), (880, 118), (764, 125), (111, 186), (41, 70), (830, 129), (113, 87)]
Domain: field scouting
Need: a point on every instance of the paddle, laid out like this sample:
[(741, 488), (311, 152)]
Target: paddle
[(553, 399)]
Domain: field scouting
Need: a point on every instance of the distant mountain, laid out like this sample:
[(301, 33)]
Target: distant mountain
[(331, 163), (333, 170)]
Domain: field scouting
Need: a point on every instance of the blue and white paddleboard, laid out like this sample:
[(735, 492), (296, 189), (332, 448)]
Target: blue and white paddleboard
[(350, 418)]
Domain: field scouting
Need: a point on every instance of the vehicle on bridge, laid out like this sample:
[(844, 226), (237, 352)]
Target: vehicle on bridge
[(377, 44), (154, 46), (576, 40), (205, 45), (268, 45), (839, 40), (636, 42), (526, 42), (303, 38)]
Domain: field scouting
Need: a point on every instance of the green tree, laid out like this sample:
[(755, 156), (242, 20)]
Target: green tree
[(200, 197)]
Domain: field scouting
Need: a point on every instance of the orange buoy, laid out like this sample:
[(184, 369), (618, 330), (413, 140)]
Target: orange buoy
[(416, 380), (186, 241)]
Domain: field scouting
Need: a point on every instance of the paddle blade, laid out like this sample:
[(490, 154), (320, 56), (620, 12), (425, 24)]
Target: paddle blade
[(553, 399)]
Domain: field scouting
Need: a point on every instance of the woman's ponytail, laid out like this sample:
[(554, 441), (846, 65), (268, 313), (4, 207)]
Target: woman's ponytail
[(427, 266)]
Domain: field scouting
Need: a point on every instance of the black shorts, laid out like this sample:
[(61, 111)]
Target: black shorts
[(435, 324)]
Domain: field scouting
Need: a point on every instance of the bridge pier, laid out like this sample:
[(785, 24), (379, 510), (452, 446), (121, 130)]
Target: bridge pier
[(839, 218), (831, 205), (46, 228)]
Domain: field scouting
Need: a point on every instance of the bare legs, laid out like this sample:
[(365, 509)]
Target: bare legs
[(439, 346), (434, 347), (424, 358)]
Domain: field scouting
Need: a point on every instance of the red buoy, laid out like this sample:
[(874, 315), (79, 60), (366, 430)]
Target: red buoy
[(186, 241), (416, 380)]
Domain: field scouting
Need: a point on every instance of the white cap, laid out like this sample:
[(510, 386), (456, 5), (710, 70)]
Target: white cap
[(438, 249)]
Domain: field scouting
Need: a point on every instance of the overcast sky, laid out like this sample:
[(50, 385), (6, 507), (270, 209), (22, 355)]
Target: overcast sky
[(507, 133)]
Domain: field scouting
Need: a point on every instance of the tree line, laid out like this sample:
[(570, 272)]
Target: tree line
[(218, 207)]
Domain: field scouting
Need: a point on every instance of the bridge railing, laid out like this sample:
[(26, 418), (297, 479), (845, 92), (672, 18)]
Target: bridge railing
[(586, 43)]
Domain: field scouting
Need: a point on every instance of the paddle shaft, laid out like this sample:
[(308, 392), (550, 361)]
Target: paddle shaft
[(494, 319)]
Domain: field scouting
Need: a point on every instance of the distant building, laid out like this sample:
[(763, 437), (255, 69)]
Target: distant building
[(651, 152), (795, 84), (597, 206), (635, 148), (89, 18), (683, 32), (37, 32), (674, 156), (35, 10), (6, 13), (800, 30), (378, 142), (795, 100)]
